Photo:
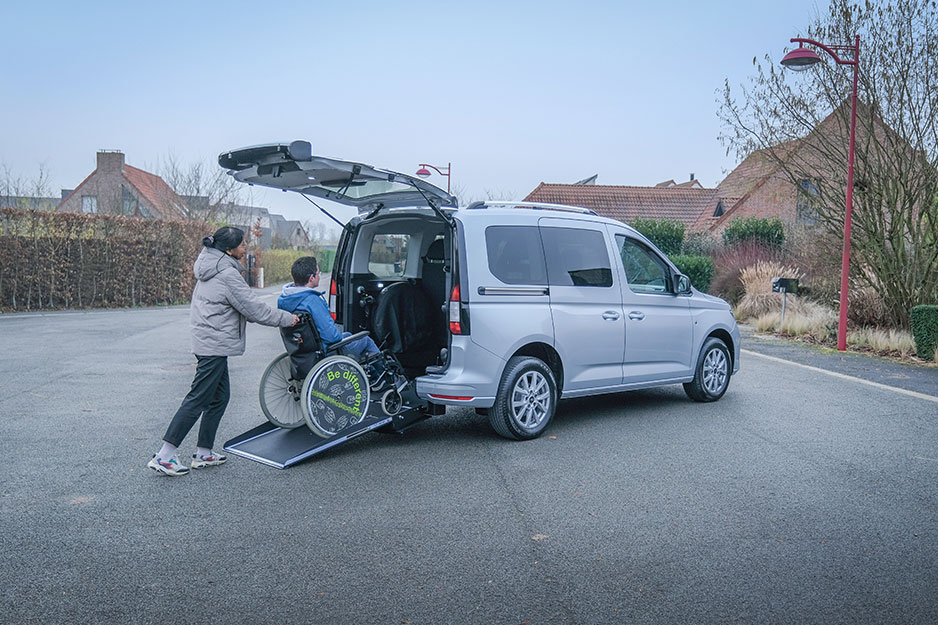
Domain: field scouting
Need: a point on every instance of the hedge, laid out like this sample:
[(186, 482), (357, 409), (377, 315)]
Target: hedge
[(769, 232), (277, 263), (52, 260), (667, 235), (698, 268), (924, 321)]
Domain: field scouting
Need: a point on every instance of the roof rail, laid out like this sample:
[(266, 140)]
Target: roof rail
[(531, 206)]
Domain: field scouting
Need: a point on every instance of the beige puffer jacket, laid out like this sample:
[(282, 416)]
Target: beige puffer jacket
[(222, 303)]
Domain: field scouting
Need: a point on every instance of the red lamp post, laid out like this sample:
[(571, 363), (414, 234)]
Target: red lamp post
[(802, 58), (423, 172)]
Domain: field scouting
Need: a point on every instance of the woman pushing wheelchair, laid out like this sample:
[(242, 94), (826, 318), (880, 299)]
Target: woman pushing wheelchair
[(222, 303)]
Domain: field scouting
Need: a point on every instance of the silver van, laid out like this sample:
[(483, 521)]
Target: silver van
[(507, 307)]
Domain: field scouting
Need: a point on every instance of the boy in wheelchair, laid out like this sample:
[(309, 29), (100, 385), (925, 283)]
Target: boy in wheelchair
[(301, 296)]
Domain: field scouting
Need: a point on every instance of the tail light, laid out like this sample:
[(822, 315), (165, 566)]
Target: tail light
[(458, 319), (332, 298)]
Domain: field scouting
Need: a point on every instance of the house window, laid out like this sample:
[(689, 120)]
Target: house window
[(807, 202), (719, 211), (130, 202), (89, 204)]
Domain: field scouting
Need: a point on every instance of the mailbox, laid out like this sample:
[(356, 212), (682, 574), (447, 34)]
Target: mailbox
[(785, 285)]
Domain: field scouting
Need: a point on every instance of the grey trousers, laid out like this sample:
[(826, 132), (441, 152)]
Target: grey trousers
[(207, 398)]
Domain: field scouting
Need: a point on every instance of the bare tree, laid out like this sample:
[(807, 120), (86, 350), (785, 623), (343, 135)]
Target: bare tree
[(895, 210), (320, 234), (16, 190), (210, 193)]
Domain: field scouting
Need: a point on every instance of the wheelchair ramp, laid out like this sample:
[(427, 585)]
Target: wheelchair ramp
[(281, 448)]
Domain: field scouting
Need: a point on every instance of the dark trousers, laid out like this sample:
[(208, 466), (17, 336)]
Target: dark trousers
[(207, 398)]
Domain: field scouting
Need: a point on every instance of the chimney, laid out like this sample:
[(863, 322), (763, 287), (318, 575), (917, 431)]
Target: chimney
[(110, 161), (692, 177)]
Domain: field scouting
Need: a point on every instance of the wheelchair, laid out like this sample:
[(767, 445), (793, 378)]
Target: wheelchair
[(323, 389)]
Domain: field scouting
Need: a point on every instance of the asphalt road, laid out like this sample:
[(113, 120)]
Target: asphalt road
[(800, 497)]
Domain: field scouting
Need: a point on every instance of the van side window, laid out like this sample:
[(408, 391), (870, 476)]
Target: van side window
[(644, 270), (515, 254), (388, 256), (577, 257)]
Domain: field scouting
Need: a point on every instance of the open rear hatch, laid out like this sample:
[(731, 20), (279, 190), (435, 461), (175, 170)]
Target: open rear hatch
[(293, 167)]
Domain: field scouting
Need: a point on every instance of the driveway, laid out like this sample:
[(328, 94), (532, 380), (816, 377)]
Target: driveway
[(800, 497)]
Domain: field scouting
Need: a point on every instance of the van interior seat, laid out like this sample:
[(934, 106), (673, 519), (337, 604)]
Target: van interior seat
[(433, 274), (403, 323)]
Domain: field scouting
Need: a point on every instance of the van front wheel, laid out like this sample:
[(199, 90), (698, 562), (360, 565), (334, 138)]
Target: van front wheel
[(712, 374), (526, 399)]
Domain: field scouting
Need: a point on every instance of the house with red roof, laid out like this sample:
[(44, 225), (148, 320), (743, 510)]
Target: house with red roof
[(116, 188), (689, 203)]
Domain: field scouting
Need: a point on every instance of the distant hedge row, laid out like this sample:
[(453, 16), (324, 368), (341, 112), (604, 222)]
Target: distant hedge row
[(52, 260)]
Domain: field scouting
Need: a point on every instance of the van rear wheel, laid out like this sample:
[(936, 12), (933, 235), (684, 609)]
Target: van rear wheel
[(526, 399)]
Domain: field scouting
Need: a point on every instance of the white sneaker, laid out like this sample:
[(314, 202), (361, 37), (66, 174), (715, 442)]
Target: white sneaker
[(172, 466), (211, 460)]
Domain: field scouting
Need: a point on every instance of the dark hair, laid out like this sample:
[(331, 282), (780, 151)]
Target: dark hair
[(302, 269), (225, 238)]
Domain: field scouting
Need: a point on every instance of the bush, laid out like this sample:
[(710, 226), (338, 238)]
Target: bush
[(277, 263), (729, 264), (698, 268), (667, 235), (811, 320), (759, 298), (769, 232), (865, 307), (52, 260), (924, 320), (701, 244)]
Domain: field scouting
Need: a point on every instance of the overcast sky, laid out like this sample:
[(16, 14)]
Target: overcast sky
[(512, 93)]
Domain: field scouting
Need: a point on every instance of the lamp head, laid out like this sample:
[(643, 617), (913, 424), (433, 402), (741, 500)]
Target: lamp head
[(800, 59), (423, 172)]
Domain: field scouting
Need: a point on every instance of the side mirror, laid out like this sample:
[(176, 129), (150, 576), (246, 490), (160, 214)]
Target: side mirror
[(680, 283)]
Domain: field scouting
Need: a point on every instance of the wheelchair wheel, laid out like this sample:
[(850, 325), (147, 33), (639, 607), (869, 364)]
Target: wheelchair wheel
[(335, 395), (280, 396)]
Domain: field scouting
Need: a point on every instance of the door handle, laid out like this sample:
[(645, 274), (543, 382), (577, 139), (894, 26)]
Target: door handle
[(610, 315), (636, 315)]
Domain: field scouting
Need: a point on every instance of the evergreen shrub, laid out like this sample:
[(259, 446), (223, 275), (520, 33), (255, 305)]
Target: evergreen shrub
[(698, 268), (924, 321), (769, 232), (667, 235)]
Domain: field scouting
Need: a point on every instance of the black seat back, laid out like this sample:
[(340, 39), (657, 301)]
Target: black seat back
[(402, 318), (433, 274), (304, 346)]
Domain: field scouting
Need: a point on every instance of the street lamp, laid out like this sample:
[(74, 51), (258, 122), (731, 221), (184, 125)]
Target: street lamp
[(423, 172), (800, 59)]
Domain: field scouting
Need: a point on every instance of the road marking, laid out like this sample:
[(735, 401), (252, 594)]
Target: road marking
[(922, 458), (843, 376)]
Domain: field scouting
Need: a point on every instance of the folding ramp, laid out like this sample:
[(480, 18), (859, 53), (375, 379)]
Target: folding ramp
[(281, 447)]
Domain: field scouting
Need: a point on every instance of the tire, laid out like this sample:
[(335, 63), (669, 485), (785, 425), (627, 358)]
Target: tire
[(712, 374), (526, 399), (280, 395), (335, 395)]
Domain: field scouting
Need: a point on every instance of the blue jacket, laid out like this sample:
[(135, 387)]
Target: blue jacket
[(297, 299)]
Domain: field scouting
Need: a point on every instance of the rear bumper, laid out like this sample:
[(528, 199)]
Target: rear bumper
[(470, 380)]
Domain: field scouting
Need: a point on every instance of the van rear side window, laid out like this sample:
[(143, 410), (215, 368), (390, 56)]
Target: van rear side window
[(515, 254), (577, 257), (388, 257)]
